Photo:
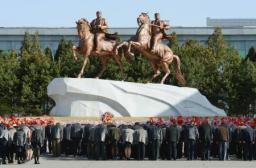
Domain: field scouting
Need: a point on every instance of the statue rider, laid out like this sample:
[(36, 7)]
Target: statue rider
[(158, 31), (98, 27)]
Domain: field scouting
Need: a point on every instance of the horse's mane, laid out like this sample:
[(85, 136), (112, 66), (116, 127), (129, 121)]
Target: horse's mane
[(81, 28), (140, 27), (146, 14)]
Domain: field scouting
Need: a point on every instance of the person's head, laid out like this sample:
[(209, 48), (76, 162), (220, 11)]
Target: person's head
[(98, 14), (223, 121), (157, 16), (206, 120)]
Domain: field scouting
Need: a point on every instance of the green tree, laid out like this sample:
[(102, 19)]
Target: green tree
[(35, 74), (65, 66), (173, 43), (25, 45), (245, 88), (9, 81), (251, 55), (48, 53)]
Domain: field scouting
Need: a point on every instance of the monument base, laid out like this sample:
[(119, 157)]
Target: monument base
[(92, 97)]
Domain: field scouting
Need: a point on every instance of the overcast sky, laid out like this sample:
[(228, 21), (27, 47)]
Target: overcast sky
[(120, 13)]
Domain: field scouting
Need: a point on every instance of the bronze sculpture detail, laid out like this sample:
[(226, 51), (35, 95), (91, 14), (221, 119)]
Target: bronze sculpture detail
[(162, 54), (105, 48), (147, 41)]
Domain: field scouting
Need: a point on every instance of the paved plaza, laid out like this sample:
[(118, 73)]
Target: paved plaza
[(70, 162)]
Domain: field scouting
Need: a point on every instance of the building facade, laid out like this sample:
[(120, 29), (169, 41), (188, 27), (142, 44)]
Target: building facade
[(240, 36)]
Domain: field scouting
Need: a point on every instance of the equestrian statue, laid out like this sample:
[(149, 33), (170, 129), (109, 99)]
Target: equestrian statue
[(148, 41)]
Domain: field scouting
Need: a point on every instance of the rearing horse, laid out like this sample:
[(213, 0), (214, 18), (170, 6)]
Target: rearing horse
[(86, 46), (163, 55)]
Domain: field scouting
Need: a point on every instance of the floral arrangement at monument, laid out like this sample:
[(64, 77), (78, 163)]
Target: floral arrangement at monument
[(107, 117), (16, 121)]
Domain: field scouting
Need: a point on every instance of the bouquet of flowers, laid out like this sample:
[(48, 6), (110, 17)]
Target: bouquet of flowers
[(107, 117)]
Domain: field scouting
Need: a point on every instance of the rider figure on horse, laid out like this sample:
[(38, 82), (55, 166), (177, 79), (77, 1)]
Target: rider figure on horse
[(158, 31), (99, 28)]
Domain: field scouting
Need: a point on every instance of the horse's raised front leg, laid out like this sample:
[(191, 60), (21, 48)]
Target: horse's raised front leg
[(120, 45), (130, 45), (104, 63), (135, 43), (74, 49)]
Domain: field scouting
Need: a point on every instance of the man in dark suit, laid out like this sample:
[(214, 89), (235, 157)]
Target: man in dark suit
[(76, 136), (247, 138), (205, 137), (114, 135), (37, 142), (172, 138), (67, 139), (100, 137), (48, 137), (155, 139)]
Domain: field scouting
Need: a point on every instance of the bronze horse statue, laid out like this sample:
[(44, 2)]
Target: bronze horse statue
[(86, 48), (163, 55)]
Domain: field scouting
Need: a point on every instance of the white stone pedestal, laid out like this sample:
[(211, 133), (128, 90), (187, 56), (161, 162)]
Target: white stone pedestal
[(93, 97)]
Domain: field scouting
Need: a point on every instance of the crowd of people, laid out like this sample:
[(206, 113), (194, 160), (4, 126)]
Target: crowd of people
[(176, 138)]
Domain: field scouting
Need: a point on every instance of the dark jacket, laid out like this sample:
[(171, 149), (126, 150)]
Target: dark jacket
[(76, 131), (155, 133), (48, 131), (205, 133), (172, 134), (247, 134), (37, 138), (57, 132), (114, 134), (86, 132), (67, 132), (19, 138), (100, 133)]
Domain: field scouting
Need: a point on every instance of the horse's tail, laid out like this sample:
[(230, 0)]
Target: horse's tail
[(179, 75)]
